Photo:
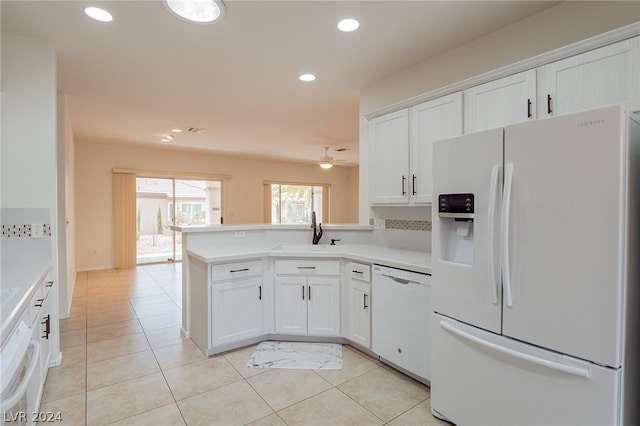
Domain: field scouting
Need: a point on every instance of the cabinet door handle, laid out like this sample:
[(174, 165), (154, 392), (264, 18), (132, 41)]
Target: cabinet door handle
[(49, 284), (549, 110), (302, 292), (404, 181), (413, 184), (239, 270), (47, 326), (529, 108), (309, 293), (364, 301), (259, 292)]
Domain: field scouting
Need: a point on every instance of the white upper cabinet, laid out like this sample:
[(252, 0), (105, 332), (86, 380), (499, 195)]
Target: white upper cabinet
[(401, 156), (431, 121), (501, 102), (389, 164), (606, 76)]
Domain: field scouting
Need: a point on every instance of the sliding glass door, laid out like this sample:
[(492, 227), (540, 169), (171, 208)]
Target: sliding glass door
[(162, 202)]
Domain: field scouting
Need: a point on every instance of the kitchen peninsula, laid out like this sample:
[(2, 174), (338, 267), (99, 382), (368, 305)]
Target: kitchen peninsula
[(250, 283)]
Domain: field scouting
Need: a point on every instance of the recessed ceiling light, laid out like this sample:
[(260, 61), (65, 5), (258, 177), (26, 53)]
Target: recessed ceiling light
[(348, 25), (198, 11), (165, 140), (98, 14), (176, 130), (170, 137), (307, 77)]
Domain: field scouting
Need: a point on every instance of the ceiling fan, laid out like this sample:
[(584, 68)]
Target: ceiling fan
[(326, 161)]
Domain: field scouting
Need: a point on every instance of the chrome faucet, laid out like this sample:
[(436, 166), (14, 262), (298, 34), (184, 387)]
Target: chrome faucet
[(316, 235)]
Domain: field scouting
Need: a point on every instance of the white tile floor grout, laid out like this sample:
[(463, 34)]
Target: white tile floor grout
[(125, 363)]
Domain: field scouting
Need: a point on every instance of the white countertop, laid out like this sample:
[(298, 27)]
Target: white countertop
[(266, 226), (403, 259)]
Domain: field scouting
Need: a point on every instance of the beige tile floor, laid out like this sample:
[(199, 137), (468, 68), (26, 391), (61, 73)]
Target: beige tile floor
[(125, 363)]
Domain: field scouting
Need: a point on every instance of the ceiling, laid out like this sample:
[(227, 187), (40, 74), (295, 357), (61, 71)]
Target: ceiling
[(147, 72)]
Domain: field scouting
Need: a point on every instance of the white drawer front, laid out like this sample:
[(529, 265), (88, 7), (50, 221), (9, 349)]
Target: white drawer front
[(307, 267), (35, 305), (229, 271), (359, 271)]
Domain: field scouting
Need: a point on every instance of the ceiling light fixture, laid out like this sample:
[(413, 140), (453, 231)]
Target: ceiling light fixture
[(348, 25), (176, 130), (165, 140), (198, 11), (307, 77), (326, 161), (170, 137), (98, 14)]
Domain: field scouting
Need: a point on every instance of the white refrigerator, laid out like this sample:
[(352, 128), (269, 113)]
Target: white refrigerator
[(535, 291)]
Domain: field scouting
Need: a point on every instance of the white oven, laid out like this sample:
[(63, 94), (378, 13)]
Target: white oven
[(20, 374)]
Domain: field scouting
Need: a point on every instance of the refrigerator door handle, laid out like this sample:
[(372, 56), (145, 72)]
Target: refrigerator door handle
[(563, 368), (506, 211), (495, 174)]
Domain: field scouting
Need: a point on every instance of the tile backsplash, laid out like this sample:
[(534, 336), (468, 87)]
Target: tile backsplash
[(17, 231), (17, 241), (407, 225)]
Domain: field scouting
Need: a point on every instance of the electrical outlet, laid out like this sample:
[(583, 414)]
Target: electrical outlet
[(239, 234), (379, 224), (37, 230)]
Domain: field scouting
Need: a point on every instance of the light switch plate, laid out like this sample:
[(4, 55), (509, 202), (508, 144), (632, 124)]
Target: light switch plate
[(37, 230)]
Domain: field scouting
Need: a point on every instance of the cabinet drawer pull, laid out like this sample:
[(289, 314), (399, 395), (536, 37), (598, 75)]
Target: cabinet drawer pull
[(529, 108), (549, 110), (357, 272), (47, 326), (306, 267), (39, 304), (49, 284), (239, 270)]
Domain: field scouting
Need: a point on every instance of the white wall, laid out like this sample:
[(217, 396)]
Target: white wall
[(28, 147), (242, 194), (28, 122), (553, 28), (66, 208)]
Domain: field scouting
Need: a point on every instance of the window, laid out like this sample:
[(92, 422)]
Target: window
[(294, 203), (193, 213)]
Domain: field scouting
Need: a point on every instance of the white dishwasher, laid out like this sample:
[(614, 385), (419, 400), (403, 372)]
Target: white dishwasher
[(400, 323)]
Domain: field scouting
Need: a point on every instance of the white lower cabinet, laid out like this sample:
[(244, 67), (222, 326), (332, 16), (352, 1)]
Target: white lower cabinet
[(236, 310), (46, 328), (226, 303), (307, 299), (359, 303)]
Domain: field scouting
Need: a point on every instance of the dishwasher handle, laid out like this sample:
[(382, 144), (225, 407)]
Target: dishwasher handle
[(398, 280)]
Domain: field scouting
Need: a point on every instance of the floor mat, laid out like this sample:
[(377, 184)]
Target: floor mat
[(297, 355)]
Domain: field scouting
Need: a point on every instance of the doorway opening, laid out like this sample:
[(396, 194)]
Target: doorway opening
[(162, 202)]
